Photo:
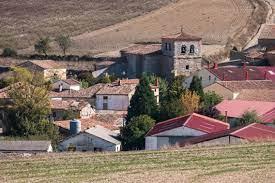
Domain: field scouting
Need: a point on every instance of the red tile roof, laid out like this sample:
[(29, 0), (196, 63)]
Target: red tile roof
[(71, 81), (194, 121), (44, 64), (268, 32), (259, 94), (236, 108), (255, 132), (68, 104), (242, 73), (181, 37)]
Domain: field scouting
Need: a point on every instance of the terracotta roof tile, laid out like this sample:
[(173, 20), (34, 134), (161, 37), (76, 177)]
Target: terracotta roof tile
[(194, 121), (67, 104), (45, 64), (117, 89), (71, 81), (267, 95), (268, 32)]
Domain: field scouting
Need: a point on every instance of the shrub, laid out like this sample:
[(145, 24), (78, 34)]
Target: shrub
[(9, 52)]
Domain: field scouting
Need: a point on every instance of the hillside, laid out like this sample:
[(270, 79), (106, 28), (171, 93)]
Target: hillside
[(240, 163), (23, 22)]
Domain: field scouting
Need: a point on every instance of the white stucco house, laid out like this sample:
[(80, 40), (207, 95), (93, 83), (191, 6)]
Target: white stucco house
[(174, 131), (117, 96), (96, 138), (68, 84)]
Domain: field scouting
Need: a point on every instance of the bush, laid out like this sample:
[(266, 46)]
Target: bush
[(9, 52)]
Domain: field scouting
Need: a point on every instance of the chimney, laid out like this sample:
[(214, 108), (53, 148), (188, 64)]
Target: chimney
[(75, 127), (215, 66), (61, 87), (246, 75), (226, 120)]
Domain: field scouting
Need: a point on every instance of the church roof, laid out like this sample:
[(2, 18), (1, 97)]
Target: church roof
[(182, 37)]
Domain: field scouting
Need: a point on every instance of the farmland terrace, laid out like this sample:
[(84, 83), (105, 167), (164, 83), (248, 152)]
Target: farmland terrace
[(104, 26), (238, 163)]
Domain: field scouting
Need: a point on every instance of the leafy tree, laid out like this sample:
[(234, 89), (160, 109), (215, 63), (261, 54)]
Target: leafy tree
[(190, 102), (84, 84), (210, 100), (64, 43), (143, 101), (170, 109), (9, 52), (176, 88), (196, 86), (249, 117), (87, 77), (133, 133), (105, 79), (28, 114), (43, 46)]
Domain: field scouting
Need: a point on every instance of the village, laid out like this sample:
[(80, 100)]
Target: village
[(218, 105)]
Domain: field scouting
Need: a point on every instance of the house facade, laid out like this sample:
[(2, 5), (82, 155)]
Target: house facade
[(68, 84), (173, 131), (96, 138), (49, 68)]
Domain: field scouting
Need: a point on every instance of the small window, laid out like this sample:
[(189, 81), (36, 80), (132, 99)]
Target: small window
[(200, 78), (166, 46), (209, 77), (192, 49), (169, 46), (187, 67), (183, 49), (105, 97)]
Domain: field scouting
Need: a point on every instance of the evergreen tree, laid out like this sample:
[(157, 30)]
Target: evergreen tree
[(143, 101), (133, 133), (196, 86)]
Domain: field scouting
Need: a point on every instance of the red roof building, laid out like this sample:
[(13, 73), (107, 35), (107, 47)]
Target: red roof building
[(251, 133), (170, 132), (236, 108)]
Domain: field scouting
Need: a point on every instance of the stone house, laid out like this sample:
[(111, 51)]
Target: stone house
[(49, 68), (173, 131), (61, 108), (68, 84), (178, 54), (248, 89), (254, 132), (117, 96), (96, 138)]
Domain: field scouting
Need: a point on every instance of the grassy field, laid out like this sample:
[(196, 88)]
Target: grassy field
[(24, 21), (241, 163)]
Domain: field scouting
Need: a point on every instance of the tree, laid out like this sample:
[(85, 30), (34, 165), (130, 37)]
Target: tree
[(143, 101), (64, 43), (249, 117), (196, 86), (176, 88), (210, 100), (133, 133), (9, 52), (105, 79), (163, 85), (88, 77), (43, 46), (28, 114), (190, 102)]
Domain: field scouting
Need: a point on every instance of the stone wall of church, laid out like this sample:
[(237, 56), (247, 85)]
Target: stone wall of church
[(197, 45), (186, 66)]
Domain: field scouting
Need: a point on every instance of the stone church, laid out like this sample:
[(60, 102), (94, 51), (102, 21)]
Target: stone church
[(179, 54)]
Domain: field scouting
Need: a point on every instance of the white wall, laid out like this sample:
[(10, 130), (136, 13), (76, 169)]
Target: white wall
[(204, 75), (87, 142), (181, 131), (65, 86), (115, 102)]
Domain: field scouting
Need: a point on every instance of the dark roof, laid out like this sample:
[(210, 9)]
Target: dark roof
[(181, 37), (11, 146), (244, 73), (194, 121)]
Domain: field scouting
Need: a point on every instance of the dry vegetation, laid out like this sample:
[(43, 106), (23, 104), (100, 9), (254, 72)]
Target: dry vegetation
[(24, 21), (240, 163)]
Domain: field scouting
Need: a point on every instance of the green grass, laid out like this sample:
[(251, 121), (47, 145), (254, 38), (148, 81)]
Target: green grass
[(88, 167)]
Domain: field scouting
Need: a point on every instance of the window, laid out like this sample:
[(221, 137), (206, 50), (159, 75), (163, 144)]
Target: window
[(105, 97), (209, 77), (192, 49), (187, 67), (169, 47), (183, 49), (166, 46)]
